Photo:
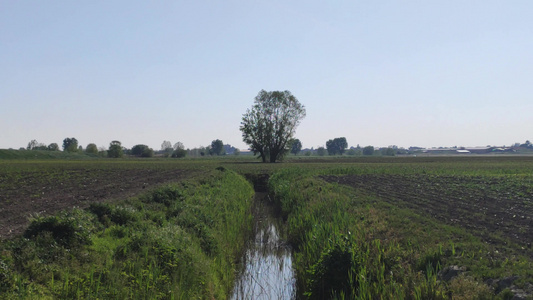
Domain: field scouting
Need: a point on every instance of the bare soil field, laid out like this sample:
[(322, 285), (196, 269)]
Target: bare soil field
[(47, 191), (496, 208)]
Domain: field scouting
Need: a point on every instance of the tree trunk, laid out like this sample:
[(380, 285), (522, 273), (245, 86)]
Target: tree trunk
[(273, 156)]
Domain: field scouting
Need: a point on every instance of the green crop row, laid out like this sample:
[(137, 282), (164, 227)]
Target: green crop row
[(180, 241)]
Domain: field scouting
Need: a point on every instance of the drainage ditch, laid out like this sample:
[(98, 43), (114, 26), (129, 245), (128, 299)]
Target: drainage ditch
[(266, 265)]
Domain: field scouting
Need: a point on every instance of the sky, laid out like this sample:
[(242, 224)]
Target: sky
[(405, 73)]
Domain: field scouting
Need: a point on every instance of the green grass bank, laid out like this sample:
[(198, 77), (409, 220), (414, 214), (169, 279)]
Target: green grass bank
[(179, 241)]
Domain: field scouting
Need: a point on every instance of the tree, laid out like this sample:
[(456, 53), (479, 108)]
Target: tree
[(32, 145), (321, 151), (147, 152), (229, 149), (165, 145), (115, 150), (178, 145), (271, 122), (70, 145), (351, 152), (296, 146), (179, 153), (368, 150), (217, 147), (336, 146), (389, 151), (91, 149), (138, 150), (53, 147)]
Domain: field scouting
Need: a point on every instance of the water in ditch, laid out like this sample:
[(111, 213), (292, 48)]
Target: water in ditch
[(266, 267)]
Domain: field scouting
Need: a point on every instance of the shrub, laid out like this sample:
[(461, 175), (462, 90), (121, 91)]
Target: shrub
[(123, 215), (166, 195), (101, 210), (147, 152), (120, 215), (69, 229)]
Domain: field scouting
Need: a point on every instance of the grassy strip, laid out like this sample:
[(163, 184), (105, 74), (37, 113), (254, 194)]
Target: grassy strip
[(179, 241), (351, 244)]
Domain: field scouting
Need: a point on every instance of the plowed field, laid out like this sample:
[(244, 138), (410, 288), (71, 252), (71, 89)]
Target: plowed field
[(47, 189), (496, 208)]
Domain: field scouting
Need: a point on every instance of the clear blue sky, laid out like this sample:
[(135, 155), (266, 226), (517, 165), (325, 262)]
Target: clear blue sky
[(406, 73)]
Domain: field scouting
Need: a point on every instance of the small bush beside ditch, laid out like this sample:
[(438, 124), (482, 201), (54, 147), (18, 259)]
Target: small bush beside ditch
[(70, 229)]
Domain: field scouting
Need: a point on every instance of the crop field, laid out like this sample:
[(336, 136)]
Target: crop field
[(46, 187), (359, 228), (497, 208)]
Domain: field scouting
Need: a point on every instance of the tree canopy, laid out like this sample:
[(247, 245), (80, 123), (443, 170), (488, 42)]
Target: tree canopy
[(70, 145), (166, 145), (142, 151), (336, 146), (368, 150), (296, 146), (115, 149), (53, 147), (34, 145), (178, 145), (270, 124), (217, 147), (91, 148), (321, 151)]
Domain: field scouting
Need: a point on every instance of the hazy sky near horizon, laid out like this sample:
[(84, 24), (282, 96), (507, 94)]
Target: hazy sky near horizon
[(406, 73)]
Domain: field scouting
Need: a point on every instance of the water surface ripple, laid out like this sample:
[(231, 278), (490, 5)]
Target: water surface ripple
[(266, 268)]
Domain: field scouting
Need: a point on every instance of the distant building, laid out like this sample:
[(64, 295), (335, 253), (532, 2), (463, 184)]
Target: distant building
[(479, 150), (463, 151)]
